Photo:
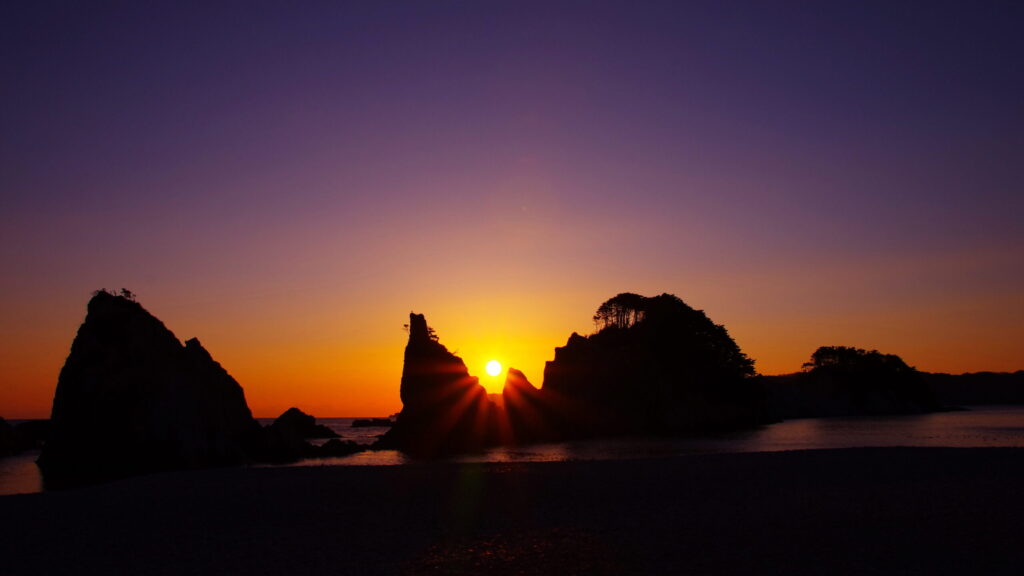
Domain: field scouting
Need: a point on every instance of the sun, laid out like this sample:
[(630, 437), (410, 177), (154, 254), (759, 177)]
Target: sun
[(493, 368)]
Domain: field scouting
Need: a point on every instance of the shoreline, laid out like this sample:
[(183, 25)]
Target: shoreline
[(856, 510)]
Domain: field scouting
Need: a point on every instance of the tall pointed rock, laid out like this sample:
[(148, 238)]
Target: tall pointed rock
[(444, 409)]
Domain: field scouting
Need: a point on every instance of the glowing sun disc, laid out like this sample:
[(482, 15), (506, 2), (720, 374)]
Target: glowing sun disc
[(494, 368)]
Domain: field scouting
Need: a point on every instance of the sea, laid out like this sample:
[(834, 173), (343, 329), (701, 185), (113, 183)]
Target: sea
[(978, 426)]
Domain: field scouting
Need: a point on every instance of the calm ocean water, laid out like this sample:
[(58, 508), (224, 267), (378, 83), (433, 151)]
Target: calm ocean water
[(983, 426)]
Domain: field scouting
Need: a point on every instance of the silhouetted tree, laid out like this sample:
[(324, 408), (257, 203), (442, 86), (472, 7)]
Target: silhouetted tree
[(620, 311)]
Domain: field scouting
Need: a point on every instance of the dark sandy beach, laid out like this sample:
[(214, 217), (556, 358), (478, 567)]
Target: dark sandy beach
[(857, 511)]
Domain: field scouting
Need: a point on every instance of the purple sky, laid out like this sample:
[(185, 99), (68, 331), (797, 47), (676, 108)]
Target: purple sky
[(286, 180)]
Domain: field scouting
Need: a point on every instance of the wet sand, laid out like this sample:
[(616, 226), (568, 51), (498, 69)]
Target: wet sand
[(855, 511)]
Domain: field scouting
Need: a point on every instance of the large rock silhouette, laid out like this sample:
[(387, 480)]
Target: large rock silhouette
[(444, 409), (657, 366), (131, 399)]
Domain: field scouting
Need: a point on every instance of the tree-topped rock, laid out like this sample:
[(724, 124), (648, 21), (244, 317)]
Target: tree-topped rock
[(848, 381), (655, 365), (707, 345), (870, 382)]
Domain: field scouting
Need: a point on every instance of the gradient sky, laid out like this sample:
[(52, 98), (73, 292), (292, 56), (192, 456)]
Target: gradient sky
[(287, 180)]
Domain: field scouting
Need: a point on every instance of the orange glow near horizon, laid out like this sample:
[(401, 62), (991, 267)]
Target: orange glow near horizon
[(330, 361)]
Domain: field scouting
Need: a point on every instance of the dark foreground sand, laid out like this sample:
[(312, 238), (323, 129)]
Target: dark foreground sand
[(861, 511)]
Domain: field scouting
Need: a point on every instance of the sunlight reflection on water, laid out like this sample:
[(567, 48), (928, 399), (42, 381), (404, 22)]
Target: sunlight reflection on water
[(985, 426), (20, 475)]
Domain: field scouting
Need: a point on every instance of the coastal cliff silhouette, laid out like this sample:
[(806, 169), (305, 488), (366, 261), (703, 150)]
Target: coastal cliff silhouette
[(654, 366), (131, 398)]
